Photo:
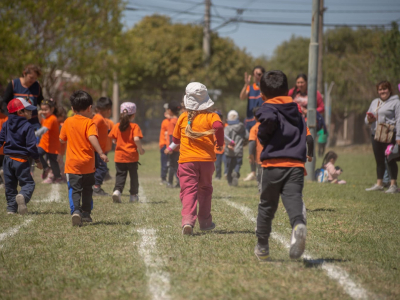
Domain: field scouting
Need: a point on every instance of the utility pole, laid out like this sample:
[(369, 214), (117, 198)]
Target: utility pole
[(312, 83), (206, 34), (115, 109), (320, 86)]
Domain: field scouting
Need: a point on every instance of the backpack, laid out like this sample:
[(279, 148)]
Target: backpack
[(321, 175)]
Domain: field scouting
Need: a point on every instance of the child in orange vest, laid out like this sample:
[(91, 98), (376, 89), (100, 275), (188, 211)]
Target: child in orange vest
[(127, 135)]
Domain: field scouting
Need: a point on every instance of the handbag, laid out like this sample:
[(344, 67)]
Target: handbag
[(384, 132)]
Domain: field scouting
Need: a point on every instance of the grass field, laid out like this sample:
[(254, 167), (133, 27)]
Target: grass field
[(137, 251)]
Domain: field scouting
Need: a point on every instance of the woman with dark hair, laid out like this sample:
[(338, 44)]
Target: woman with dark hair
[(384, 117), (26, 87), (299, 94)]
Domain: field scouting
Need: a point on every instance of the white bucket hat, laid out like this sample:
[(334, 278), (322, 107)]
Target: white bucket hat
[(196, 97), (233, 117)]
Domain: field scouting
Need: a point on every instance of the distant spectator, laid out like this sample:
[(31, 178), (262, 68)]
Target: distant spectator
[(333, 171)]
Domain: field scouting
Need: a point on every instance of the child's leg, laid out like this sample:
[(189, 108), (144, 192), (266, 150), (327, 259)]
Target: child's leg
[(271, 184), (173, 167), (74, 191), (120, 177), (204, 193), (133, 174), (54, 165), (26, 182), (292, 196), (230, 166), (225, 164), (218, 165), (101, 170), (189, 177), (238, 165), (11, 184), (164, 162), (42, 159), (259, 177), (87, 192)]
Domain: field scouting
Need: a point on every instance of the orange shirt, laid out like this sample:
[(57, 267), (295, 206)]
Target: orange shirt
[(80, 152), (102, 129), (110, 124), (283, 162), (126, 149), (49, 141), (201, 149), (164, 127), (253, 137), (171, 127), (3, 119)]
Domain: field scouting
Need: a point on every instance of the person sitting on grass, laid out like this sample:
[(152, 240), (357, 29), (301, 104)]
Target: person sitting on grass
[(18, 137), (81, 134), (333, 172), (283, 134), (194, 132)]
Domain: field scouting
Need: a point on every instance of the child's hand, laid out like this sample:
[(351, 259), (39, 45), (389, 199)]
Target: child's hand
[(309, 158), (166, 151), (141, 151), (251, 159), (219, 148), (39, 165), (231, 147), (247, 78), (104, 157)]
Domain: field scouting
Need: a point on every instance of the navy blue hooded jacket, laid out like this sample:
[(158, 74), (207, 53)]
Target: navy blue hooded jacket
[(282, 131), (19, 137)]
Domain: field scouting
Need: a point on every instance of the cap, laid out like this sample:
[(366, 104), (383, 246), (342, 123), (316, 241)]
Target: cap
[(130, 107), (17, 104)]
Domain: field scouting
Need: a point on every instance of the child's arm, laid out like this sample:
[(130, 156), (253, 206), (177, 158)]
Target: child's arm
[(269, 122), (139, 145), (95, 143), (310, 145), (41, 131), (252, 151), (31, 147), (2, 135), (219, 133)]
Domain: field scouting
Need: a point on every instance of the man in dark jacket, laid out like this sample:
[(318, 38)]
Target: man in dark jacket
[(284, 135), (18, 137)]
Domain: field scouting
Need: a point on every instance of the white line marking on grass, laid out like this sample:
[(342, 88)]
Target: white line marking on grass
[(12, 231), (353, 289), (54, 194), (158, 279), (142, 195)]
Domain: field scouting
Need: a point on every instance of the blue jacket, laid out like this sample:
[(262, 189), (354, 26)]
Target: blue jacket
[(19, 137), (282, 131)]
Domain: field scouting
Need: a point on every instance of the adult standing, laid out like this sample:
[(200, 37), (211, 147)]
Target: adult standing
[(26, 87), (382, 112), (252, 93), (299, 94)]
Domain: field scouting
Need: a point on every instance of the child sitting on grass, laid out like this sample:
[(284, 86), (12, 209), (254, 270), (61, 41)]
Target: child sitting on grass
[(18, 137), (194, 132), (283, 134), (81, 134), (333, 172), (126, 135)]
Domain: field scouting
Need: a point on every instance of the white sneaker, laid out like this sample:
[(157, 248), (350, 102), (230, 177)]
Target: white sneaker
[(22, 209), (134, 198), (187, 229), (393, 189), (375, 188), (250, 176), (116, 196), (298, 241)]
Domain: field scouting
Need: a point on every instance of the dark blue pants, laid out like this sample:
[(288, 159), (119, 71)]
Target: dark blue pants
[(218, 165), (15, 173), (80, 187), (101, 169), (233, 164), (164, 164), (53, 162)]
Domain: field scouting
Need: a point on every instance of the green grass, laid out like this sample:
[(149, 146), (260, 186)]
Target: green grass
[(356, 230)]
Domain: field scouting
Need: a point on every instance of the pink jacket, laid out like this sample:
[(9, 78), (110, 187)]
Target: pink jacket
[(333, 173), (320, 101)]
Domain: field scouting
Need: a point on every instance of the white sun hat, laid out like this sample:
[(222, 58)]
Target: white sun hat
[(233, 117), (196, 97)]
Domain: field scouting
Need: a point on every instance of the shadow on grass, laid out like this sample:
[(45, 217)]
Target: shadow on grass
[(315, 263), (109, 223), (223, 232), (153, 202), (321, 209), (49, 213)]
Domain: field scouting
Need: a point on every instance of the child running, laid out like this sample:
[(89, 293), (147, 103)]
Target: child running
[(110, 124), (49, 145), (126, 135), (194, 133), (103, 111), (283, 134), (333, 172), (18, 137), (81, 134)]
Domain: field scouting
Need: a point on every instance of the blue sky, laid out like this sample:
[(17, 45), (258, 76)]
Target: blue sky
[(263, 39)]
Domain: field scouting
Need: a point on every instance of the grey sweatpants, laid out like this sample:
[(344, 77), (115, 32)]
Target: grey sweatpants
[(287, 182)]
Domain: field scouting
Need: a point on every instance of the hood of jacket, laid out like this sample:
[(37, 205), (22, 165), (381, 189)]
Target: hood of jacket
[(16, 122)]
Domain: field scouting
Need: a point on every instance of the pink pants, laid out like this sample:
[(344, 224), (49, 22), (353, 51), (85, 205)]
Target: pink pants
[(196, 186)]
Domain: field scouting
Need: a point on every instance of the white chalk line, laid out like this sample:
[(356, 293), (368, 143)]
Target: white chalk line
[(353, 289), (54, 195), (12, 231)]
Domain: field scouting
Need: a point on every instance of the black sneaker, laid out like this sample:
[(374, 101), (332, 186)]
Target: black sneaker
[(99, 192), (169, 186), (262, 252), (107, 177), (22, 209), (86, 217), (209, 228)]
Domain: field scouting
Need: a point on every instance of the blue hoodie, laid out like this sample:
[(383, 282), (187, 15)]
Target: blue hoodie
[(19, 137), (282, 131)]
